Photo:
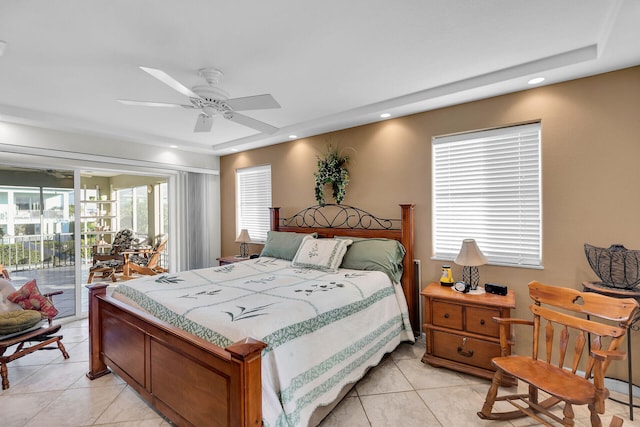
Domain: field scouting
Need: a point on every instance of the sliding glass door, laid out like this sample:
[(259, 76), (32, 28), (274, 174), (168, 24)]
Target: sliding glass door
[(41, 211), (37, 214)]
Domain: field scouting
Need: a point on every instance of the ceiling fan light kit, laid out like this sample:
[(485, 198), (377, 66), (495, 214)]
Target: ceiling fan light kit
[(212, 100)]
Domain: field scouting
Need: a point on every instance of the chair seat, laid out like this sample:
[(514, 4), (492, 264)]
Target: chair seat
[(549, 378), (18, 320), (112, 263), (28, 335)]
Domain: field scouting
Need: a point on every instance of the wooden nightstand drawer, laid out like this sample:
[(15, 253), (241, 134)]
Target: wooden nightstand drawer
[(460, 331), (447, 315), (479, 320), (465, 350)]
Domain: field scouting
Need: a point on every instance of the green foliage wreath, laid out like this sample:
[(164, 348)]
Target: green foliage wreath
[(331, 171)]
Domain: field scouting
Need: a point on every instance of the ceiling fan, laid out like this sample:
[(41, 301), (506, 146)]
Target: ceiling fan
[(212, 101)]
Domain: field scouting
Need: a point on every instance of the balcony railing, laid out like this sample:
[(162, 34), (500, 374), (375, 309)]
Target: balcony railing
[(24, 215), (37, 251)]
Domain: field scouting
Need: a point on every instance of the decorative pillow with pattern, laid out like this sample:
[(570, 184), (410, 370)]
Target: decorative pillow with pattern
[(30, 298), (321, 254)]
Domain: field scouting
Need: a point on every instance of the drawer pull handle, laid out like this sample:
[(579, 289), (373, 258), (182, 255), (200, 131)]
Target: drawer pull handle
[(482, 321), (465, 353), (446, 315)]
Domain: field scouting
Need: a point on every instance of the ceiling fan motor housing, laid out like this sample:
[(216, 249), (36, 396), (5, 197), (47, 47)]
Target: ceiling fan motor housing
[(212, 101)]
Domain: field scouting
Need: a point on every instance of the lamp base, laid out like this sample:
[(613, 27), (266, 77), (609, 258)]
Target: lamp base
[(244, 250), (471, 276)]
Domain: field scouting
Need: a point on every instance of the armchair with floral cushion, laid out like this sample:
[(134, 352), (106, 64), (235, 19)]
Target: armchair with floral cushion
[(26, 323)]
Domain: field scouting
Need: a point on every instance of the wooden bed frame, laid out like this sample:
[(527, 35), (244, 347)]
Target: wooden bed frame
[(192, 381)]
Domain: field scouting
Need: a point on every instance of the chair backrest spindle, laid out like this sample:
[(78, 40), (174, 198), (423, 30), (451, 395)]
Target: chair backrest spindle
[(574, 325)]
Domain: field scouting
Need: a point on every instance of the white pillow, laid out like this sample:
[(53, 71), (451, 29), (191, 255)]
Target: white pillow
[(321, 254), (7, 289)]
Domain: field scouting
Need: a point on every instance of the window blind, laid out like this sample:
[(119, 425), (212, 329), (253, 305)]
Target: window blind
[(253, 192), (486, 186)]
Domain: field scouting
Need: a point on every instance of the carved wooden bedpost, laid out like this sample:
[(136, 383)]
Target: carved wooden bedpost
[(274, 216), (97, 367), (248, 353), (408, 279)]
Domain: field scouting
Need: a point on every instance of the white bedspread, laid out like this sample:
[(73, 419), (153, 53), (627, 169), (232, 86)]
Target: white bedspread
[(323, 330)]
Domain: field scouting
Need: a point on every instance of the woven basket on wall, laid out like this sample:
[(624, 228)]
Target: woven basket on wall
[(616, 266)]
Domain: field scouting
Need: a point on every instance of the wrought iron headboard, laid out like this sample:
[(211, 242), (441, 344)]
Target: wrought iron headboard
[(339, 216)]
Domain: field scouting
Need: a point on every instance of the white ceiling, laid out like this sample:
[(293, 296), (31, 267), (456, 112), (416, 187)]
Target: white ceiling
[(331, 64)]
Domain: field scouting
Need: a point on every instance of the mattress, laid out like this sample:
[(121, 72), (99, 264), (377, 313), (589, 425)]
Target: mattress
[(322, 330)]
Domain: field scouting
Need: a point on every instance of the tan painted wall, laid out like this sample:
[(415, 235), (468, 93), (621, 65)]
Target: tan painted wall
[(590, 173)]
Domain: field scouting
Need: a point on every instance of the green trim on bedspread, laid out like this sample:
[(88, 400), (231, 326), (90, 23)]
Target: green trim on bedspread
[(175, 319)]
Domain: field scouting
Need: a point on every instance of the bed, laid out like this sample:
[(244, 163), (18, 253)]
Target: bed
[(209, 380)]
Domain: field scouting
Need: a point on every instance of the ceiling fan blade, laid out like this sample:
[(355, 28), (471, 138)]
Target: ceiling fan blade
[(171, 82), (152, 104), (252, 123), (257, 102), (204, 123)]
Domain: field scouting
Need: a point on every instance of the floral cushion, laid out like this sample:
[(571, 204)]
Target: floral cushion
[(123, 240), (16, 321), (111, 263), (30, 298)]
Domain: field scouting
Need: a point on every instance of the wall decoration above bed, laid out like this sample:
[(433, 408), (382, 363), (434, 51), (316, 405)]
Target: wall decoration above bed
[(331, 170)]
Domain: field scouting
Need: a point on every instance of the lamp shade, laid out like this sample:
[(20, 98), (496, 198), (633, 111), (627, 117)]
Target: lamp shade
[(470, 254), (243, 237)]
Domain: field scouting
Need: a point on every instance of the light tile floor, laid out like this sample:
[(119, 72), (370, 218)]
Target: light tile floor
[(47, 390)]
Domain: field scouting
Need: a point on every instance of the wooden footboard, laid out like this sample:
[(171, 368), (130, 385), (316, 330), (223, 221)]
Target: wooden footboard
[(189, 380)]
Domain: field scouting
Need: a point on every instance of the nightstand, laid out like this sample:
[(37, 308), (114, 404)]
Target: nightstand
[(224, 260), (460, 332)]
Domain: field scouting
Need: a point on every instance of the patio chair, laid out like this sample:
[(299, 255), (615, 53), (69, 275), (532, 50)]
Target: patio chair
[(21, 324), (112, 262), (601, 332), (147, 261)]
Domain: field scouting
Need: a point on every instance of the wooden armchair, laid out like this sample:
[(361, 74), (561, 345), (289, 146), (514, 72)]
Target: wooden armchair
[(559, 315), (146, 261)]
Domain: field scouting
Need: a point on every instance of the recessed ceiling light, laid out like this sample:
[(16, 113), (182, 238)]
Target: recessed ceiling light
[(385, 115), (536, 80), (173, 146), (234, 150), (293, 136)]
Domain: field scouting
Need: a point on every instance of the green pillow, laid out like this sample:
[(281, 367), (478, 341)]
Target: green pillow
[(375, 254), (283, 244), (18, 320)]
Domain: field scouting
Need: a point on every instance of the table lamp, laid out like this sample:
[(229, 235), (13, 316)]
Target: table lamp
[(244, 239), (470, 257)]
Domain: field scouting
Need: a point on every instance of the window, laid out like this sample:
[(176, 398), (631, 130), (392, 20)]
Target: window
[(253, 192), (486, 186), (134, 209)]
